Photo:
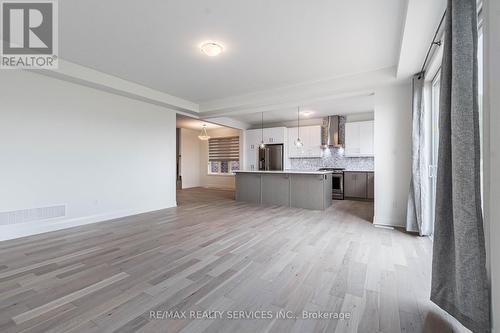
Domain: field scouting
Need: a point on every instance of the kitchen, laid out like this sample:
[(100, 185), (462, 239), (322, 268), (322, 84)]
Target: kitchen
[(330, 156)]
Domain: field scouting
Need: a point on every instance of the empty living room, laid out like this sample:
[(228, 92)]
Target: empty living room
[(250, 166)]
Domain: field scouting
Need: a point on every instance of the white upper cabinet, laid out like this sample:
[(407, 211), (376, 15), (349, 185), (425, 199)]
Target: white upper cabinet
[(359, 139), (268, 135), (352, 139), (366, 138), (252, 139), (311, 139), (274, 135), (251, 148), (293, 151), (314, 143)]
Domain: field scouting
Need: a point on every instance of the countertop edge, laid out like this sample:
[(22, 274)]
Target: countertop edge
[(305, 172), (298, 172)]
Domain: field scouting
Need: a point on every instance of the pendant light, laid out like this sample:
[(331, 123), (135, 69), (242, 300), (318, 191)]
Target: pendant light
[(262, 144), (298, 141), (204, 135)]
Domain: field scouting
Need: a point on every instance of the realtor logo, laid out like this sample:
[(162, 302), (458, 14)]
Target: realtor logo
[(29, 34)]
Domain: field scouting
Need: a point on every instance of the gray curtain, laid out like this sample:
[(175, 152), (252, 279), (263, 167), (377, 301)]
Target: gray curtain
[(459, 280), (416, 219)]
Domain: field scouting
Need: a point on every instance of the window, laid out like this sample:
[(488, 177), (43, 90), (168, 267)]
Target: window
[(436, 82), (223, 155)]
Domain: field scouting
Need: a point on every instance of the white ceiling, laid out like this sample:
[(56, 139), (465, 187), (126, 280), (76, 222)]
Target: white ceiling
[(194, 124), (268, 44), (320, 109)]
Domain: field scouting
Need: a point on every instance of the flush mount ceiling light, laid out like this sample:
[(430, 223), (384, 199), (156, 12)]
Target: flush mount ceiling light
[(211, 49), (204, 135), (307, 113)]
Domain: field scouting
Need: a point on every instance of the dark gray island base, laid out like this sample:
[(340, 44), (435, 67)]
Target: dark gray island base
[(300, 189)]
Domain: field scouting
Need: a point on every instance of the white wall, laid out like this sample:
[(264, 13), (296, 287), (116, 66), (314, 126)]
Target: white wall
[(217, 181), (102, 155), (190, 150), (492, 154), (392, 154)]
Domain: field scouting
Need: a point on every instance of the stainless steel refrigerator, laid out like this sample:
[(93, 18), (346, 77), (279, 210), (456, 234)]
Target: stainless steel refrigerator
[(271, 157)]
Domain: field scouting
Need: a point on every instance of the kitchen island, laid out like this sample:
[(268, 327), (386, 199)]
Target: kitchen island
[(291, 188)]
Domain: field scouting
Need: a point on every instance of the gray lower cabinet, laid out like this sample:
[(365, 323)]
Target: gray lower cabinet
[(356, 185), (276, 190), (370, 185), (327, 190), (248, 187), (307, 191)]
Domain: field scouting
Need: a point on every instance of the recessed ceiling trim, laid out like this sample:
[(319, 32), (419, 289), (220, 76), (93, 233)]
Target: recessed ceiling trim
[(283, 105), (196, 124), (94, 79), (344, 86)]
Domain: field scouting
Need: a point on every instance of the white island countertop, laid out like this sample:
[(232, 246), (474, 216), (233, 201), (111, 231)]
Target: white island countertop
[(297, 172)]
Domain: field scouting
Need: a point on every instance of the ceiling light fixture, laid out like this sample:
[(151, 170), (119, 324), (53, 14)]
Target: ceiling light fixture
[(262, 144), (307, 113), (211, 49), (204, 135), (298, 142)]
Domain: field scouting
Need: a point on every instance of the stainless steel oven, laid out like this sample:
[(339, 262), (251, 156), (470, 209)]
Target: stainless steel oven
[(337, 182)]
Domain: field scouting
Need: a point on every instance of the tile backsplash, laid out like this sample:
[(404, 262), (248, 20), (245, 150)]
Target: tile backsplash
[(333, 158)]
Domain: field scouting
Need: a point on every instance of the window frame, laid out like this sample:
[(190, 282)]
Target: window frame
[(229, 173)]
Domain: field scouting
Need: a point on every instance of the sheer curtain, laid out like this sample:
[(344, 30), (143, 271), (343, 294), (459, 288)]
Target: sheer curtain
[(416, 217)]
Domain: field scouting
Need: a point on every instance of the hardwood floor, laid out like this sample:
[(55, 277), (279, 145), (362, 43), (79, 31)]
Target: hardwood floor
[(214, 254)]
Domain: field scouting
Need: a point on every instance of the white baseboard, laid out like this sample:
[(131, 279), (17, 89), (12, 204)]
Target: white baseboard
[(14, 231), (387, 222), (383, 226), (184, 186), (219, 187)]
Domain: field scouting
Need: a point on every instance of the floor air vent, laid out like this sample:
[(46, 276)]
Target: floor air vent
[(32, 214)]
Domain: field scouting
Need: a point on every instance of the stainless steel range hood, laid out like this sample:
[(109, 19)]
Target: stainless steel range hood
[(330, 132)]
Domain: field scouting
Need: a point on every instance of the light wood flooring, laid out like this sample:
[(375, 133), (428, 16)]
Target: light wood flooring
[(214, 254)]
